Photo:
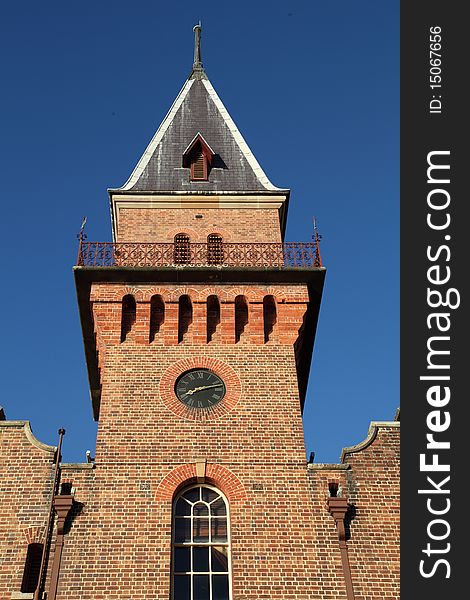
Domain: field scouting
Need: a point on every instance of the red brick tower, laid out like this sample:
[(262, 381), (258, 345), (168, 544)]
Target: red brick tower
[(199, 323)]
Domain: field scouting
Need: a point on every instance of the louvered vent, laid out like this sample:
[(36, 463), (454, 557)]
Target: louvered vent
[(199, 167)]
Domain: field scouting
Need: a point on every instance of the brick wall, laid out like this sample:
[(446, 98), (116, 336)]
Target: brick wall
[(254, 452), (284, 541), (373, 488), (368, 477), (234, 225), (26, 468)]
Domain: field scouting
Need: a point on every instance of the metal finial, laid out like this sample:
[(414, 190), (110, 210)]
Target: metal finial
[(197, 46), (316, 240), (81, 235)]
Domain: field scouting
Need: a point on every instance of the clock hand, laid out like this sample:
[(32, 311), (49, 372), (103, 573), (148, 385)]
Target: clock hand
[(204, 387)]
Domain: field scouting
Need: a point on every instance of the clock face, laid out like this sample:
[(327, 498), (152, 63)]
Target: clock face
[(200, 388)]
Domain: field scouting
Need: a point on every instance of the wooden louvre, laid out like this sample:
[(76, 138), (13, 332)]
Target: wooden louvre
[(199, 166)]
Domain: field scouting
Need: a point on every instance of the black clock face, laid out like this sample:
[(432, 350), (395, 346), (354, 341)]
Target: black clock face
[(200, 388)]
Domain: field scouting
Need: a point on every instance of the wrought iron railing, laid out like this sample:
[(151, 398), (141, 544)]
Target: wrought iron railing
[(146, 254)]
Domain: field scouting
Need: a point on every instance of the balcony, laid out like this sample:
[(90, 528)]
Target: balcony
[(297, 255)]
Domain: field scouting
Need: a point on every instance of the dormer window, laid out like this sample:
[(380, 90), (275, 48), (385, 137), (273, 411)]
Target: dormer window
[(198, 157)]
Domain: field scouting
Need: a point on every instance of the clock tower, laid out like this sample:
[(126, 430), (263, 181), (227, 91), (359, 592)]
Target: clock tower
[(198, 322)]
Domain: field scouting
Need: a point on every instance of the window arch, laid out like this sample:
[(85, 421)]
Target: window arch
[(182, 249), (200, 545), (215, 252)]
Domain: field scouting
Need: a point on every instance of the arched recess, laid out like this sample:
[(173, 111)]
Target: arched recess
[(128, 316), (213, 316), (157, 316), (269, 316), (185, 316), (241, 316)]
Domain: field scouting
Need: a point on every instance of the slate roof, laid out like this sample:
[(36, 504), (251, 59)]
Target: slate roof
[(198, 109)]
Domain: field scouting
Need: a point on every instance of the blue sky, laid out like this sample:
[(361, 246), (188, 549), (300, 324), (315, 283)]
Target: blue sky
[(313, 88)]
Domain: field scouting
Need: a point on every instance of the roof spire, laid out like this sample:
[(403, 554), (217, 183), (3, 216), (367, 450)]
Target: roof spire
[(198, 70)]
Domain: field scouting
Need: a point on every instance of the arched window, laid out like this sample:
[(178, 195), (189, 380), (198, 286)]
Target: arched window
[(241, 316), (128, 316), (200, 545), (215, 252), (157, 316), (213, 316), (182, 251), (31, 569), (269, 316), (185, 316)]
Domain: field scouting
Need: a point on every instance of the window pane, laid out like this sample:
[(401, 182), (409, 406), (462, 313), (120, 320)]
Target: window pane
[(218, 508), (182, 530), (201, 559), (220, 587), (182, 507), (201, 530), (182, 587), (219, 530), (200, 510), (182, 560), (209, 495), (219, 558), (201, 587), (193, 495)]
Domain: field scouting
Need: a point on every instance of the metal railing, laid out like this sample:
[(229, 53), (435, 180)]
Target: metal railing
[(146, 254)]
